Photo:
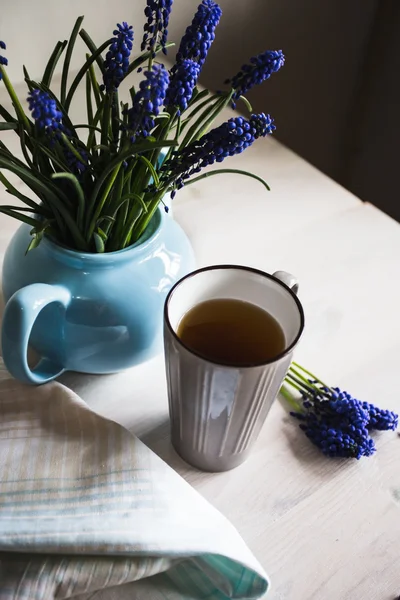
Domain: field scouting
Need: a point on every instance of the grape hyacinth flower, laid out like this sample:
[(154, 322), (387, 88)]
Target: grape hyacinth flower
[(156, 28), (147, 102), (261, 68), (199, 36), (230, 138), (117, 58), (49, 119), (382, 420), (45, 113), (77, 166), (338, 424), (3, 60), (182, 84)]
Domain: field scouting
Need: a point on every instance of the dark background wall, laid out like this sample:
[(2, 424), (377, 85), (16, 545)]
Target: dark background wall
[(373, 167), (336, 101), (324, 43)]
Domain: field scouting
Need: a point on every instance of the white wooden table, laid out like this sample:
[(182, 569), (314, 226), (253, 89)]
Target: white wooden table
[(323, 529)]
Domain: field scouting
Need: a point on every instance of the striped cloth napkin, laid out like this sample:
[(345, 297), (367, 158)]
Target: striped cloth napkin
[(88, 512)]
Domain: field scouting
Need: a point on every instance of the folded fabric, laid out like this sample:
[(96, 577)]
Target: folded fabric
[(88, 511)]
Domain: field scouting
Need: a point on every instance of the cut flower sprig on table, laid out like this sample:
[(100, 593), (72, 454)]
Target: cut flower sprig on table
[(334, 421), (97, 184)]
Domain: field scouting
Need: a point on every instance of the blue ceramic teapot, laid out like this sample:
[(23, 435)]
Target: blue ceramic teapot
[(93, 313)]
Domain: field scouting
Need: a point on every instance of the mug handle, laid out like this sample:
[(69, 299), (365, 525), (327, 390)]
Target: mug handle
[(20, 314), (288, 279)]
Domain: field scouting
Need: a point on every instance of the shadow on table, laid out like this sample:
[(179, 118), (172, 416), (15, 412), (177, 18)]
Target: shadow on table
[(159, 440), (307, 454)]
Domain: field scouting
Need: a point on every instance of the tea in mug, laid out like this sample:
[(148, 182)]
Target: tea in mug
[(232, 332)]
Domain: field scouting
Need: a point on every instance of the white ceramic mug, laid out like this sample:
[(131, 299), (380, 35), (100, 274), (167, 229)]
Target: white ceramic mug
[(216, 410)]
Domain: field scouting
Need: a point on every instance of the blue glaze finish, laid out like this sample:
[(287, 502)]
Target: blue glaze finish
[(92, 313)]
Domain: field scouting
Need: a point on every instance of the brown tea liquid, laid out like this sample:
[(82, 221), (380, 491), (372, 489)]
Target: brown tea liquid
[(232, 332)]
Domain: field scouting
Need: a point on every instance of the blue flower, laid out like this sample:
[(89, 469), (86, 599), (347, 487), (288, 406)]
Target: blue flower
[(230, 138), (45, 112), (380, 419), (147, 102), (332, 419), (182, 84), (260, 69), (48, 118), (3, 60), (77, 166), (199, 36), (336, 423), (117, 58), (156, 28)]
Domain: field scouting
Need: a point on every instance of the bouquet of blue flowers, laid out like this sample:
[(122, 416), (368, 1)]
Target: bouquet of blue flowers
[(97, 184), (333, 420)]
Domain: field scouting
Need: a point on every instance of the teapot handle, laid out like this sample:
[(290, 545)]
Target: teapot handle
[(20, 315)]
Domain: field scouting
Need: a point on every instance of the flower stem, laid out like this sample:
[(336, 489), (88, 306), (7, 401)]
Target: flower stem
[(100, 204), (311, 375), (296, 383), (289, 399), (222, 171), (308, 384), (17, 105)]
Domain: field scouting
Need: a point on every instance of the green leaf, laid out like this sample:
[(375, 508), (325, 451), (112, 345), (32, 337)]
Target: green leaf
[(197, 96), (115, 120), (72, 149), (106, 218), (27, 77), (178, 129), (91, 137), (34, 243), (6, 126), (89, 104), (52, 156), (98, 94), (37, 236), (24, 143), (135, 197), (102, 147), (79, 193), (5, 153), (14, 192), (67, 60), (152, 170), (247, 103), (221, 171), (216, 103), (97, 207), (102, 234), (163, 115), (224, 103), (82, 71), (136, 148), (22, 118), (105, 121), (24, 218), (92, 47), (20, 208), (52, 63), (6, 115), (50, 193), (99, 242)]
